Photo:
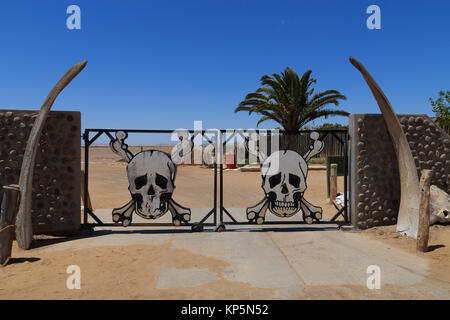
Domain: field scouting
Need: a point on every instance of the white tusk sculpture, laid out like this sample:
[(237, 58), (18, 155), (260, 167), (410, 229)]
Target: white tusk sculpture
[(408, 215), (24, 230)]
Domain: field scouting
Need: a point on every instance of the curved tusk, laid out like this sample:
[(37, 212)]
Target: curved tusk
[(408, 215), (24, 230)]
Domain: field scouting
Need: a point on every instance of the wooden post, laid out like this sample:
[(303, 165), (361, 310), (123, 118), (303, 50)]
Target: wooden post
[(424, 211), (333, 182), (89, 203), (9, 207)]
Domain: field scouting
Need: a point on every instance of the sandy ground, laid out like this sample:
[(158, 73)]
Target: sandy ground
[(141, 271), (438, 246), (117, 268)]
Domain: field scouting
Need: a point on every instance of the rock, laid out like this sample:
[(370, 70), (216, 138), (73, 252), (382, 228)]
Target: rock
[(439, 205)]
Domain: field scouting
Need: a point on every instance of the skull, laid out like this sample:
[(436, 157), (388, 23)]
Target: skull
[(284, 181), (151, 176)]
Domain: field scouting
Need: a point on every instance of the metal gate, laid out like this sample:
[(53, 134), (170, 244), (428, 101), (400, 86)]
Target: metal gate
[(218, 140), (123, 147), (339, 136)]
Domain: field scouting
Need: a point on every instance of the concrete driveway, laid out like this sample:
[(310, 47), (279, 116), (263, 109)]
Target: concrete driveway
[(283, 258)]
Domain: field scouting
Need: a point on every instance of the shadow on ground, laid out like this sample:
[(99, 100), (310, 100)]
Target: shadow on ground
[(22, 260), (435, 247), (283, 229), (86, 234)]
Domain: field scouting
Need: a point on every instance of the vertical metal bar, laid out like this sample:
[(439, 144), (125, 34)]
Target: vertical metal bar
[(345, 176), (86, 175), (349, 152), (221, 177), (217, 141), (215, 191)]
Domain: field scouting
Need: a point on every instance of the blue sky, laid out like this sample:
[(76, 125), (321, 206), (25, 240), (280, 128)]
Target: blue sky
[(164, 64)]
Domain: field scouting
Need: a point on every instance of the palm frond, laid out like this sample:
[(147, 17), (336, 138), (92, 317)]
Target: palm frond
[(290, 100)]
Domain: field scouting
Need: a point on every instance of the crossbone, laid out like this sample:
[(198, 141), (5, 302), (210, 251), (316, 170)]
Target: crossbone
[(151, 175)]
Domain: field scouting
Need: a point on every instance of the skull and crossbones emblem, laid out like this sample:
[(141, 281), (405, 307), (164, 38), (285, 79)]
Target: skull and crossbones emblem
[(284, 175), (151, 176)]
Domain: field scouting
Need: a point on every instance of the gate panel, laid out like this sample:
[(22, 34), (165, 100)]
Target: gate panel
[(151, 173), (278, 196)]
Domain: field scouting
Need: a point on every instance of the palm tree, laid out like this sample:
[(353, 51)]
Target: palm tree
[(287, 99)]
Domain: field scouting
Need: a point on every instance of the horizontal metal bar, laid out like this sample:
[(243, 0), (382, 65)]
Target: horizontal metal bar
[(157, 224), (148, 131), (211, 131), (284, 131), (277, 222)]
